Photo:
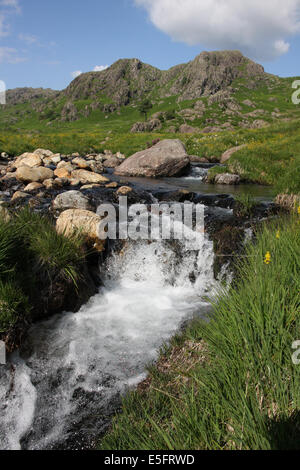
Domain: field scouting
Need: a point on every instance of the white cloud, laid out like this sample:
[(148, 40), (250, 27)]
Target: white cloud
[(4, 29), (100, 68), (259, 28), (11, 4), (76, 73), (7, 7), (9, 55), (28, 38), (97, 68)]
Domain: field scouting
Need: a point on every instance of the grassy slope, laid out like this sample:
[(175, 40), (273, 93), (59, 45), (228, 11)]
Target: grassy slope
[(229, 384), (271, 156)]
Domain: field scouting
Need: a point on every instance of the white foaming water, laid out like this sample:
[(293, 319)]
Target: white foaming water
[(197, 173), (68, 384)]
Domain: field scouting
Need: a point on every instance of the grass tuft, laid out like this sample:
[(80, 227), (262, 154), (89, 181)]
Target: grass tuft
[(241, 390), (33, 257)]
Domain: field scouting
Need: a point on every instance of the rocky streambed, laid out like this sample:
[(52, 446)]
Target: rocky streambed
[(60, 390)]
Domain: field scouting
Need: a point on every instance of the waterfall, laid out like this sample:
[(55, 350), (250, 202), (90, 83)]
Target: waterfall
[(197, 173), (61, 391)]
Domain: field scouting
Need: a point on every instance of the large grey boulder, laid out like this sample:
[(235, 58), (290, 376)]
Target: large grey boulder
[(167, 158), (72, 200)]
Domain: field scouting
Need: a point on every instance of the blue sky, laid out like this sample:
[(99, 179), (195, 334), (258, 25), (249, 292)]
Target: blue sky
[(44, 43)]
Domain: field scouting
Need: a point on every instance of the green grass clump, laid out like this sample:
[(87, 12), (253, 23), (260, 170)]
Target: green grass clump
[(244, 205), (33, 258), (51, 254), (231, 383), (13, 305)]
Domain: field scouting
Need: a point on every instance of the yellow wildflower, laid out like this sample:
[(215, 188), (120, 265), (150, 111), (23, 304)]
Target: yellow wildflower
[(268, 258), (299, 210), (278, 234)]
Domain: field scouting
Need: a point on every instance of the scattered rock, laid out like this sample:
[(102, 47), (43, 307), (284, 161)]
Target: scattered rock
[(197, 159), (33, 187), (90, 186), (56, 159), (112, 185), (124, 190), (153, 124), (74, 182), (81, 163), (227, 178), (112, 162), (166, 158), (49, 184), (120, 155), (259, 124), (66, 165), (211, 130), (30, 175), (186, 129), (96, 167), (249, 103), (28, 159), (43, 152), (72, 200), (62, 173), (20, 195), (86, 177)]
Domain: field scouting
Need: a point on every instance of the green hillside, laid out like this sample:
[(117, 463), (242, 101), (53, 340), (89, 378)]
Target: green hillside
[(217, 101)]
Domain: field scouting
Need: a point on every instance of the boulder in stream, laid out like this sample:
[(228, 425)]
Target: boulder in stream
[(227, 178), (166, 158)]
